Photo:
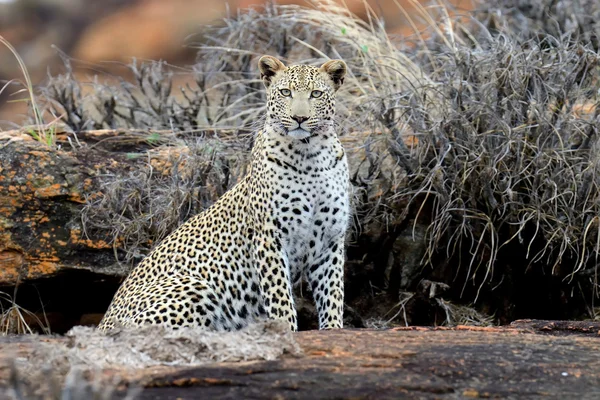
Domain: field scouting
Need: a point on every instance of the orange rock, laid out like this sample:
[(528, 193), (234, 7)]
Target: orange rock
[(76, 238), (50, 191), (8, 202), (77, 198)]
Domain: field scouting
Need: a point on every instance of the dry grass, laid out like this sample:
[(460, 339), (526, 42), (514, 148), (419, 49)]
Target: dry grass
[(150, 346), (16, 320), (508, 161), (227, 92), (169, 185), (541, 19), (463, 315), (42, 132)]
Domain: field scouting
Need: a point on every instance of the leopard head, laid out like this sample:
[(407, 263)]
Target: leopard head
[(301, 98)]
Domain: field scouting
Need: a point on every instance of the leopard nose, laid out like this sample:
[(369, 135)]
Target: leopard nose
[(299, 119)]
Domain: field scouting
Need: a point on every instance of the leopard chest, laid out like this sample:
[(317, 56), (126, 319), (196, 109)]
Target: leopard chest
[(309, 207)]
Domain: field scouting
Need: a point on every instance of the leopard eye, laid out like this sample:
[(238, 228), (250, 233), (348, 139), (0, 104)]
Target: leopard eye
[(315, 94), (285, 92)]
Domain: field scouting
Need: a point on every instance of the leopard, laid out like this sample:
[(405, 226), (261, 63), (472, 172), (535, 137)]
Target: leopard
[(283, 223)]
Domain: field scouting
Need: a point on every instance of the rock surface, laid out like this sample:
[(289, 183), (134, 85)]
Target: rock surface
[(419, 363), (42, 191), (42, 194)]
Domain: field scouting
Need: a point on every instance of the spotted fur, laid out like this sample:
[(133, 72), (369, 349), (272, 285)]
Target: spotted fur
[(237, 261)]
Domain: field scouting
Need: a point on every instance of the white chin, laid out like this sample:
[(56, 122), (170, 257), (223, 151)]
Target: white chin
[(299, 134)]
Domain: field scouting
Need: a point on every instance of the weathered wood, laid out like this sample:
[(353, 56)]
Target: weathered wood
[(405, 364), (558, 327), (419, 363)]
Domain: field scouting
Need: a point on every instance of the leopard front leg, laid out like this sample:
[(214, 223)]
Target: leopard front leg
[(326, 278), (275, 286)]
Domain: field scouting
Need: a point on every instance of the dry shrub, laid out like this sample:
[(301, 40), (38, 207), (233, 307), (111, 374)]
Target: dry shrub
[(538, 19), (168, 186), (227, 91), (149, 101), (507, 152), (507, 162)]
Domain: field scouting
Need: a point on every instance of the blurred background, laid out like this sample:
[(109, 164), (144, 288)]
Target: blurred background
[(101, 36)]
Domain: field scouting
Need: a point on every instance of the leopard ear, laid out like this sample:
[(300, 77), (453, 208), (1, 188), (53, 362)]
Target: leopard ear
[(336, 70), (269, 67)]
